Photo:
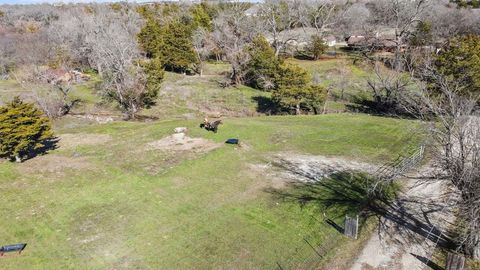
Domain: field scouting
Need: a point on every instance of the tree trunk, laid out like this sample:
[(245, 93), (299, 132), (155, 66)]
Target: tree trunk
[(297, 109), (278, 48)]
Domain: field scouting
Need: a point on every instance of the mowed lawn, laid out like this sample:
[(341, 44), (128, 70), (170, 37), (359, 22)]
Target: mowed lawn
[(106, 200)]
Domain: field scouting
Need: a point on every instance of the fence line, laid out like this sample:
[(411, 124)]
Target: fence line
[(392, 170), (401, 165), (310, 252)]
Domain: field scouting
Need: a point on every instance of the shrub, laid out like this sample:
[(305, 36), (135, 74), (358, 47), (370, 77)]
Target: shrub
[(294, 92), (316, 47), (24, 130), (155, 73)]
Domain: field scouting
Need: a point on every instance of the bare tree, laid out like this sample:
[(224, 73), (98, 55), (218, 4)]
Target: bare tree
[(51, 95), (402, 16), (233, 30), (454, 126), (322, 15), (280, 18), (342, 80), (111, 40), (203, 46), (447, 21), (354, 20)]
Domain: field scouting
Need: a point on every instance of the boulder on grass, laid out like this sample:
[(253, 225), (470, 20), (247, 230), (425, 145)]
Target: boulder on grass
[(180, 130)]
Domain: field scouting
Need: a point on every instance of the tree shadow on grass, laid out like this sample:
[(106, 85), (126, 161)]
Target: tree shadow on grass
[(364, 105), (48, 145), (266, 105), (347, 193)]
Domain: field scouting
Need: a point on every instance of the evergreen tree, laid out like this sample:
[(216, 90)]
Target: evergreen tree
[(263, 65), (460, 60), (150, 36), (294, 91), (172, 43), (201, 18), (23, 130), (176, 50), (154, 74), (317, 47)]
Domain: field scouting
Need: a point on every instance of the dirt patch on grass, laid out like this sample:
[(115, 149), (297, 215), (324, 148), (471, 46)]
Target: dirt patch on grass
[(283, 169), (180, 143), (53, 164), (265, 176), (312, 168), (74, 140)]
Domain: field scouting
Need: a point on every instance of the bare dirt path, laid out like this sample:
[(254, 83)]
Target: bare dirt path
[(411, 228)]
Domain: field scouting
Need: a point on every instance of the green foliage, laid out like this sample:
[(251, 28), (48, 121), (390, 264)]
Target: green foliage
[(155, 75), (201, 17), (117, 7), (317, 47), (294, 91), (467, 3), (291, 76), (176, 50), (23, 130), (461, 62), (150, 36), (263, 66), (172, 42), (422, 35)]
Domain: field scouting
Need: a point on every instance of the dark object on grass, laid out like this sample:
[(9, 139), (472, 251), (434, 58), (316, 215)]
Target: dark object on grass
[(210, 126), (12, 248), (232, 141)]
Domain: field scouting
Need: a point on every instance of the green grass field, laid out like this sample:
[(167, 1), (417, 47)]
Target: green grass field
[(105, 200)]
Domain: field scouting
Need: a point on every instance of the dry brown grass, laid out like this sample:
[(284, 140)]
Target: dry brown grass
[(53, 164), (74, 140)]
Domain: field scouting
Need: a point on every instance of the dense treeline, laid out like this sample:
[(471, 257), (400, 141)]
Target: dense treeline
[(129, 45)]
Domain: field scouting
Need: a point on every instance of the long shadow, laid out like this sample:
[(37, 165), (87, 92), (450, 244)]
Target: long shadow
[(335, 226), (48, 146), (265, 105), (428, 262), (348, 192), (361, 105)]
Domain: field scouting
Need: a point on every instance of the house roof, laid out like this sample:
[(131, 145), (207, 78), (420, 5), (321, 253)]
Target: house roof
[(330, 38), (355, 40)]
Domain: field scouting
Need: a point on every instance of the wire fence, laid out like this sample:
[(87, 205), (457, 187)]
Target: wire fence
[(400, 165), (310, 252)]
